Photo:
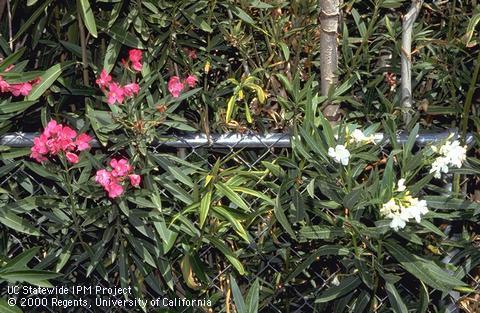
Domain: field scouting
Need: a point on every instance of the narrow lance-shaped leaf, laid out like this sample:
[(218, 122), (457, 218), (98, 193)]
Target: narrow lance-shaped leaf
[(88, 17)]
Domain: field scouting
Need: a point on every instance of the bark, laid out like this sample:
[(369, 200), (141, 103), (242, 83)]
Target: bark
[(329, 17), (406, 58)]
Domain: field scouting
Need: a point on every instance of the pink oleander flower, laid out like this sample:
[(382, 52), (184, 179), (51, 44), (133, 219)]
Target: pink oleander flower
[(20, 89), (4, 86), (120, 168), (104, 79), (114, 189), (191, 80), (103, 177), (72, 157), (114, 181), (57, 138), (115, 94), (135, 180), (131, 89), (83, 142), (40, 158), (175, 86), (135, 56), (39, 149)]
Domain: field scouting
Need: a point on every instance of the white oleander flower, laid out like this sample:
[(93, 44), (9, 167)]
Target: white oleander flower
[(401, 185), (455, 153), (398, 222), (400, 214), (451, 154), (390, 209), (340, 154), (439, 166), (358, 136), (416, 209)]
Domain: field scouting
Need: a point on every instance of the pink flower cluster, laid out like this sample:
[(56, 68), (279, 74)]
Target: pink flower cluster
[(135, 59), (57, 138), (176, 85), (112, 180), (17, 89), (116, 93)]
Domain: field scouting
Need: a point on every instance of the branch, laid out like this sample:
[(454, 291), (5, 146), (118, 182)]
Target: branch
[(406, 58), (329, 16)]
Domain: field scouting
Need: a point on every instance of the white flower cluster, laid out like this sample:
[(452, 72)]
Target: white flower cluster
[(401, 210), (340, 153), (451, 154), (358, 136)]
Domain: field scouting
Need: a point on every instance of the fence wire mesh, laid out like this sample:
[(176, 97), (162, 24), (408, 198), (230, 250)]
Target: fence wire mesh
[(269, 258)]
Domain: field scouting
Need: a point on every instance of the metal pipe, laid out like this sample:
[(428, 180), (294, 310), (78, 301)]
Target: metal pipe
[(235, 140)]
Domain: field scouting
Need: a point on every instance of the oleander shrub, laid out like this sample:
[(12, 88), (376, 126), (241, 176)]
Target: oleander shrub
[(357, 216)]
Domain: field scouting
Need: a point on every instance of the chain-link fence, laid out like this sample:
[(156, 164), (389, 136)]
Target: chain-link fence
[(269, 258)]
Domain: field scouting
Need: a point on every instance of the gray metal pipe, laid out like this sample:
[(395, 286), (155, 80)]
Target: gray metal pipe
[(235, 140)]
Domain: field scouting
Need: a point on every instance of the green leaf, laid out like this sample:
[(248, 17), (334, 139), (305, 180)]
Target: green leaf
[(282, 218), (254, 193), (232, 195), (347, 285), (395, 299), (230, 106), (253, 297), (285, 50), (391, 4), (427, 272), (232, 258), (29, 276), (21, 260), (121, 34), (39, 11), (111, 55), (387, 180), (320, 232), (474, 20), (197, 21), (15, 107), (40, 170), (233, 221), (242, 14), (88, 17), (424, 298), (46, 80), (443, 202), (17, 223), (323, 250), (411, 139), (93, 117), (237, 296), (205, 207), (12, 59)]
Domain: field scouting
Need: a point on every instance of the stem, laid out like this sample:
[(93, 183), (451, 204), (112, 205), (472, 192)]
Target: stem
[(468, 100), (83, 46), (10, 30), (406, 58), (329, 17), (450, 21)]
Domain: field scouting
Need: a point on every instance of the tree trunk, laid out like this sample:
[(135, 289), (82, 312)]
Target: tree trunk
[(406, 58), (329, 16)]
